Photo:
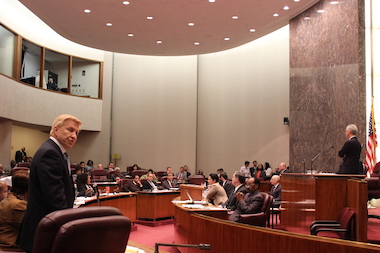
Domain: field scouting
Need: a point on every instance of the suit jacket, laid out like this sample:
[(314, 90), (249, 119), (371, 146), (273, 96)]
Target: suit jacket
[(147, 186), (350, 153), (231, 202), (130, 186), (19, 156), (166, 185), (252, 203), (51, 188), (228, 187), (82, 190), (217, 195), (276, 192)]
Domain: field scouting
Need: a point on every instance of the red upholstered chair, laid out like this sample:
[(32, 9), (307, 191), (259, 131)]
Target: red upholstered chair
[(373, 187), (18, 168), (376, 170), (196, 179), (341, 228), (261, 218), (139, 172), (23, 164), (99, 175), (86, 229)]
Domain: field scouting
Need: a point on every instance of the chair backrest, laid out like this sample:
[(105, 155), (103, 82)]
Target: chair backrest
[(346, 222), (49, 226), (19, 168), (23, 164), (196, 179), (139, 172), (122, 182), (99, 175)]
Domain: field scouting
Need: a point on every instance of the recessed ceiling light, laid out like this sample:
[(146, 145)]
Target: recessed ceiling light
[(211, 1), (320, 11), (334, 2), (191, 24), (159, 41), (296, 0), (109, 24), (226, 38), (87, 11), (235, 17), (130, 34), (286, 8), (275, 15), (196, 43), (125, 2), (252, 30), (306, 18), (149, 17)]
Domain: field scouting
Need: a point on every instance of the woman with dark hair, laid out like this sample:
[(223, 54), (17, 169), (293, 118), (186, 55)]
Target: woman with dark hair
[(84, 186), (90, 165), (216, 195), (260, 173), (12, 211), (268, 170)]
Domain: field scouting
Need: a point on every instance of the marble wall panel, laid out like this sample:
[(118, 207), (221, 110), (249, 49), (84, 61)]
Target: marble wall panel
[(327, 86)]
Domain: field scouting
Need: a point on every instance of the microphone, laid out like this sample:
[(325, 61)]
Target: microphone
[(97, 193), (315, 157)]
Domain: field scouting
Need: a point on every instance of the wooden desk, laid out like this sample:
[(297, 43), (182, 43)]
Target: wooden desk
[(125, 202), (194, 190), (114, 186), (153, 205), (227, 236), (309, 197)]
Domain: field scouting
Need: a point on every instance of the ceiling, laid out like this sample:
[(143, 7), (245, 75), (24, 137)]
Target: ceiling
[(213, 23)]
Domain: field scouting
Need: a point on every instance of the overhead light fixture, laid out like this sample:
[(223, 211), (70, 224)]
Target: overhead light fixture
[(109, 24), (191, 24), (196, 43), (286, 8), (130, 34), (159, 41), (296, 0), (150, 18), (125, 2), (320, 11), (275, 15), (211, 1), (306, 18), (87, 11), (226, 38), (252, 30), (235, 17), (334, 2)]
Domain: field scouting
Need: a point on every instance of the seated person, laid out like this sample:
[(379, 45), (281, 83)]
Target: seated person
[(12, 211), (84, 186), (78, 170), (110, 167), (149, 184), (276, 188), (170, 182), (216, 195), (227, 185), (168, 170), (150, 171), (260, 173), (200, 172), (133, 185), (238, 181), (250, 202), (182, 174), (116, 174), (3, 190)]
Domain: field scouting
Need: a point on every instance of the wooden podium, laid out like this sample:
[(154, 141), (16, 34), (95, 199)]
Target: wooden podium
[(195, 191)]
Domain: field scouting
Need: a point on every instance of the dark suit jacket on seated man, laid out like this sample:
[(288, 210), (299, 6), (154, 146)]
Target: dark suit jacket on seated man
[(238, 180), (350, 153), (51, 187), (250, 202), (170, 182), (133, 185), (149, 184)]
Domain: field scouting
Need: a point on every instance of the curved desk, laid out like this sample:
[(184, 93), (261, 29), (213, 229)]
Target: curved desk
[(125, 202), (227, 236)]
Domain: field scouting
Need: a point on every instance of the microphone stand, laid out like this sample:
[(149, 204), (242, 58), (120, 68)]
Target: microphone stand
[(315, 157), (97, 194)]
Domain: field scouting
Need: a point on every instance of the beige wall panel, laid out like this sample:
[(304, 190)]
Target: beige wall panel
[(243, 98), (154, 111)]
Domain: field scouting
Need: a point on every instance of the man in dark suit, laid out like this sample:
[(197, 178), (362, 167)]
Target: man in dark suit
[(133, 185), (350, 153), (170, 182), (20, 155), (275, 191), (227, 185), (253, 169), (149, 184), (250, 202), (238, 180), (51, 187)]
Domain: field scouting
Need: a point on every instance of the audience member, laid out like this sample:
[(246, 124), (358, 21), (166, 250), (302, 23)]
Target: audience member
[(134, 167), (100, 166), (276, 188), (3, 190), (150, 171), (245, 170), (84, 186), (260, 173), (250, 202), (218, 171), (168, 170), (8, 170), (281, 169), (200, 172), (83, 166), (133, 185), (90, 165), (116, 174), (78, 170), (51, 85), (110, 167), (268, 170), (12, 211), (20, 155), (238, 180), (226, 184), (51, 186), (170, 182), (186, 169), (149, 184), (181, 175), (216, 195), (253, 169)]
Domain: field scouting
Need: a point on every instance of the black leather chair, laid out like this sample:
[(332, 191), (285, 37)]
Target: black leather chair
[(86, 229)]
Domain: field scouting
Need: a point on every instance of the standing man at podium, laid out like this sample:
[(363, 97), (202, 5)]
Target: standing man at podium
[(350, 153)]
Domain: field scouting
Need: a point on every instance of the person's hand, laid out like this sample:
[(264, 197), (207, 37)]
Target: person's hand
[(239, 196)]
